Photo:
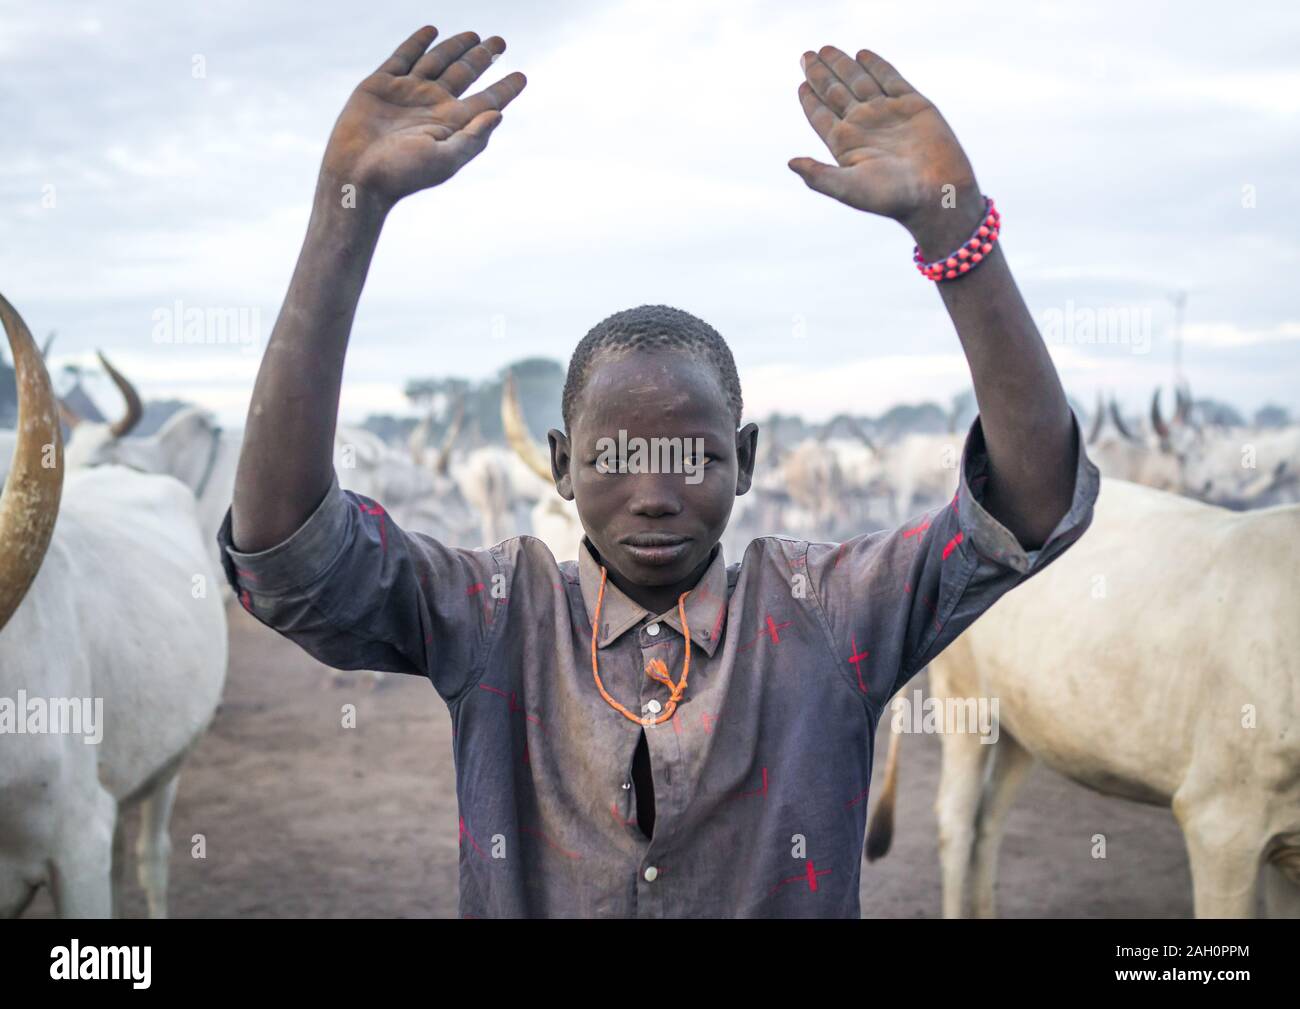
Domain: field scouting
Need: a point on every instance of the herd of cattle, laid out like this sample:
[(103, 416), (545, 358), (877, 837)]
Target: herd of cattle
[(1158, 660)]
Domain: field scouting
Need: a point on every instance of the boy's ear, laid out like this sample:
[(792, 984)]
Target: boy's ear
[(560, 459), (746, 452)]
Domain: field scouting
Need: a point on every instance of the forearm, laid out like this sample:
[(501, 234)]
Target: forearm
[(896, 157), (1023, 410), (287, 460)]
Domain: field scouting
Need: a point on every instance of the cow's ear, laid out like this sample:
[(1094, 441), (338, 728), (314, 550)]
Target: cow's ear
[(746, 453), (561, 458)]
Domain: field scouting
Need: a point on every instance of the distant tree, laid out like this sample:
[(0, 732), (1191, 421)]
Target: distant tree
[(540, 384), (393, 430), (540, 381), (912, 418), (845, 425), (1211, 411), (1272, 415), (964, 409), (435, 393)]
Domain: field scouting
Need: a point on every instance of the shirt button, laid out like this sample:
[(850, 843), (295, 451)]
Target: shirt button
[(651, 874), (653, 630), (653, 707)]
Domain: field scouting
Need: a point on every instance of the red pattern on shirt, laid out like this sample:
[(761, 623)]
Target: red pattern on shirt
[(809, 876)]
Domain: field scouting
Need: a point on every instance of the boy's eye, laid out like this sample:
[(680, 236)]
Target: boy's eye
[(620, 464), (603, 465)]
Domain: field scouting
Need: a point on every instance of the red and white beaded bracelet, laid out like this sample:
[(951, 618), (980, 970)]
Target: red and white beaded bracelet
[(969, 255)]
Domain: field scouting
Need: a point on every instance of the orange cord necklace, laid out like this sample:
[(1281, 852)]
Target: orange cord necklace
[(655, 668)]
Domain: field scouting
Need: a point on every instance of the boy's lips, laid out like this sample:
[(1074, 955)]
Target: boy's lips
[(655, 548)]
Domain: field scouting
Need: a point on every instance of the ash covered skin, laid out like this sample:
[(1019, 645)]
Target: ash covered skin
[(653, 394)]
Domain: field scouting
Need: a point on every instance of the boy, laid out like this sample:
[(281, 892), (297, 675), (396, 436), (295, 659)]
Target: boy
[(649, 731)]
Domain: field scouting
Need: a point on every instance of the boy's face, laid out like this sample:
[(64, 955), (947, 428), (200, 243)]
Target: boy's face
[(654, 531)]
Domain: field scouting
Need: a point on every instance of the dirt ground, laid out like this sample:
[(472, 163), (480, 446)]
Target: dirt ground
[(304, 818)]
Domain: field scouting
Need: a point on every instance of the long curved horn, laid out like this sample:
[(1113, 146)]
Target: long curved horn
[(134, 409), (453, 432), (49, 341), (1098, 419), (854, 426), (1157, 421), (420, 438), (1118, 421), (512, 419), (29, 505)]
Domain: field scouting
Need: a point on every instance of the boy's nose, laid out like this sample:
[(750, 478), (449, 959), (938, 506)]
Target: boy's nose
[(655, 495)]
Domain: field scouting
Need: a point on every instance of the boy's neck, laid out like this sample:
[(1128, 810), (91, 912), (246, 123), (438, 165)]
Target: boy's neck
[(655, 598)]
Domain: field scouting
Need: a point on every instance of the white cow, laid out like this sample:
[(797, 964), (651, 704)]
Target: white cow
[(1154, 456), (421, 498), (921, 470), (190, 446), (1157, 660), (490, 481), (1240, 468), (107, 598), (1247, 468)]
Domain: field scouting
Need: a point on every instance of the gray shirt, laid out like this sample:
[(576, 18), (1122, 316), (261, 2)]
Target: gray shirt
[(760, 776)]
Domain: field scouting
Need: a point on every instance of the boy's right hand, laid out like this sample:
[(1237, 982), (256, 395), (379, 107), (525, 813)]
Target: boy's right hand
[(406, 128)]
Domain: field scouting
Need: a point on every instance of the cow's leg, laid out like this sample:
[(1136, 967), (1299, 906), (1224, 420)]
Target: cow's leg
[(1225, 842), (1281, 894), (957, 807), (1224, 880), (1282, 873), (1008, 765), (119, 864), (154, 847), (81, 866)]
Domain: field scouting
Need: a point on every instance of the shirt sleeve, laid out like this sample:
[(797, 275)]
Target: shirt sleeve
[(893, 600), (356, 591)]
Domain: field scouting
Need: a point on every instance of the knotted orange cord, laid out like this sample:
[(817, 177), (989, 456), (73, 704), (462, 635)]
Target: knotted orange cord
[(655, 668)]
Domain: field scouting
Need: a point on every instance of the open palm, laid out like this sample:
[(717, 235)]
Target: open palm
[(406, 128), (893, 150)]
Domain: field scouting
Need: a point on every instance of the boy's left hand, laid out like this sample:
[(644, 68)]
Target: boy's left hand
[(894, 150)]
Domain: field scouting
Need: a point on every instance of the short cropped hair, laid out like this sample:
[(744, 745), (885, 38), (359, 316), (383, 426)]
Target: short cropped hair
[(652, 327)]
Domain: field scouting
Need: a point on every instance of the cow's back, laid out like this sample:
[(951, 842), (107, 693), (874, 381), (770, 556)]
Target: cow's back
[(150, 615), (1138, 647)]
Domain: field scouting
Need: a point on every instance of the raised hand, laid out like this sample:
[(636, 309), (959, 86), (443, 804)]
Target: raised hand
[(406, 128), (894, 152)]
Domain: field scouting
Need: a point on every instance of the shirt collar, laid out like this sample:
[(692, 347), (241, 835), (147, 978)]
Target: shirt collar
[(706, 606)]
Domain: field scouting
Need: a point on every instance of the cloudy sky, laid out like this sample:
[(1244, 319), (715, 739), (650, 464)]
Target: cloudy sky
[(160, 157)]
